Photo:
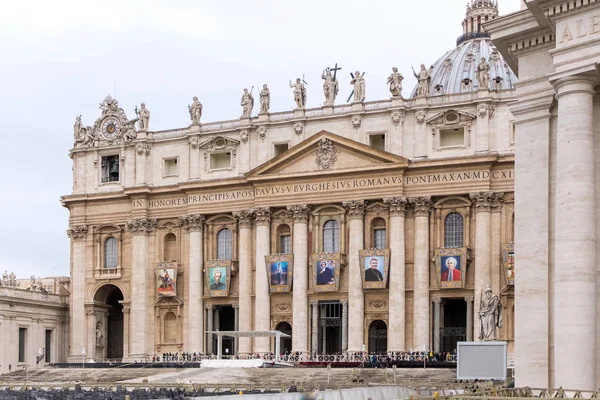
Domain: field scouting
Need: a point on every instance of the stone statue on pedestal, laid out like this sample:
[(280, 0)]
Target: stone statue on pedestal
[(195, 111), (423, 77), (330, 86), (358, 81), (483, 74), (77, 129), (299, 93), (99, 335), (265, 99), (490, 315), (395, 82), (247, 104), (143, 115)]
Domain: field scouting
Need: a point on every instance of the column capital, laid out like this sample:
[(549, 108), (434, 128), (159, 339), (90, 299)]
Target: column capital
[(244, 218), (208, 307), (142, 226), (355, 208), (235, 306), (436, 299), (397, 205), (482, 201), (192, 222), (422, 205), (262, 216), (469, 299), (299, 213), (344, 302), (314, 303), (581, 83), (77, 231), (497, 200)]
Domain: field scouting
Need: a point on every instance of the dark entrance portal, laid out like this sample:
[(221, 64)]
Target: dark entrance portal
[(455, 324), (286, 343), (330, 327), (111, 296), (377, 337), (226, 323)]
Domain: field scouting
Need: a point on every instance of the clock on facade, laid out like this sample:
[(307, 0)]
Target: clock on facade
[(110, 128)]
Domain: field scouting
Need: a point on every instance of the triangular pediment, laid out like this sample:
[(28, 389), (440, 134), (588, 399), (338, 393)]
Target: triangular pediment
[(326, 153)]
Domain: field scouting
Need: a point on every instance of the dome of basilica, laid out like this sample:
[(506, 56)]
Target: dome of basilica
[(456, 71)]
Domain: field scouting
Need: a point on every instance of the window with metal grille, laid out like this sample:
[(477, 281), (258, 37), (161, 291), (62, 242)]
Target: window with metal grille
[(110, 253), (454, 230), (379, 238), (331, 237), (225, 244)]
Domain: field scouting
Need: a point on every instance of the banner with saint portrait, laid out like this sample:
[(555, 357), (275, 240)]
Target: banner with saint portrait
[(375, 264), (326, 277), (508, 260), (166, 278), (451, 267), (279, 272), (218, 276)]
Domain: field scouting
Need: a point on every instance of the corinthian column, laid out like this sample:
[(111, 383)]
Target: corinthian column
[(482, 203), (139, 228), (397, 274), (575, 272), (77, 233), (195, 315), (245, 279), (422, 206), (356, 300), (300, 279), (262, 300)]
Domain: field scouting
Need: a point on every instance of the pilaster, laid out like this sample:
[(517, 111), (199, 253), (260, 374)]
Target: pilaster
[(77, 234)]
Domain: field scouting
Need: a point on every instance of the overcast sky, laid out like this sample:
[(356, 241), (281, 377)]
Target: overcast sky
[(61, 58)]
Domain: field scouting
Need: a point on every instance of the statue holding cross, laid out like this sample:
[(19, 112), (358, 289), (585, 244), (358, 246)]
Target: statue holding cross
[(330, 84), (358, 81)]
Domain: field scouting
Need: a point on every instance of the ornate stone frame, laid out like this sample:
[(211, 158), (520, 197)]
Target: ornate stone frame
[(373, 212), (107, 152), (446, 120), (216, 145), (279, 218), (162, 306), (448, 205), (164, 228), (101, 234), (323, 214), (214, 225)]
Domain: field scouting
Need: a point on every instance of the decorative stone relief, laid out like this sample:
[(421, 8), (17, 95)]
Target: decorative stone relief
[(398, 117), (299, 128), (356, 121), (379, 209), (299, 212), (244, 218), (482, 110), (192, 222), (497, 200), (283, 306), (420, 116), (355, 208), (326, 154), (244, 136), (421, 205), (482, 201), (194, 142), (9, 280), (142, 226), (77, 231), (397, 205), (262, 216), (143, 149), (378, 304), (262, 132)]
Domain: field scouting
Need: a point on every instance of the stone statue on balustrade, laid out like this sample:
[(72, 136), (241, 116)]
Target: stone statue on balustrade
[(490, 315), (143, 115), (77, 129), (423, 78), (247, 104), (195, 111), (330, 86), (265, 100), (395, 83), (483, 74), (5, 278), (299, 93), (358, 81)]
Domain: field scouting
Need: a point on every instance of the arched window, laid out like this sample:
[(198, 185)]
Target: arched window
[(379, 233), (170, 250), (170, 327), (454, 230), (110, 253), (331, 237), (225, 244), (284, 239)]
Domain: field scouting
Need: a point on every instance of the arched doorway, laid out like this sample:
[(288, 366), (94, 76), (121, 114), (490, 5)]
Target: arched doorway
[(377, 337), (110, 295), (286, 343)]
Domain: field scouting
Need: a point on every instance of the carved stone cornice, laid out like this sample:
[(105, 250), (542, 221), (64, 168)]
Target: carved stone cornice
[(142, 226), (355, 208), (397, 205), (482, 201), (299, 213), (192, 222), (77, 231), (244, 218), (421, 205), (262, 216), (143, 149)]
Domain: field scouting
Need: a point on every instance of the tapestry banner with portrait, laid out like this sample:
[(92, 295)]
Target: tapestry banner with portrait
[(218, 276), (327, 272), (279, 272), (375, 265), (508, 260), (166, 278), (451, 266)]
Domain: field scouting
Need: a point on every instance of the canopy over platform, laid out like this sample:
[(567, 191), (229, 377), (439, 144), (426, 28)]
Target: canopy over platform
[(276, 334)]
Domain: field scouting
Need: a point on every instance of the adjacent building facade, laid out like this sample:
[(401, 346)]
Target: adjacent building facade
[(554, 47), (372, 226)]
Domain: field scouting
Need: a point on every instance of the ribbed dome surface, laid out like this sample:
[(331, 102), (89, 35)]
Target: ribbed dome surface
[(459, 65)]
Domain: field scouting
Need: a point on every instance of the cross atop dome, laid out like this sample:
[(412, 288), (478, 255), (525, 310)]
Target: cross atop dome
[(478, 13)]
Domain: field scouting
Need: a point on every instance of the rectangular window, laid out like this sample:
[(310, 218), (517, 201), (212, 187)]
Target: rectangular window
[(377, 141), (170, 167), (48, 346), (281, 148), (220, 160), (452, 137), (285, 244), (110, 169), (379, 238), (22, 338)]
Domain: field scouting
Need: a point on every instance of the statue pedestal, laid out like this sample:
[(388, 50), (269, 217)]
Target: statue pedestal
[(263, 117), (142, 135), (194, 129), (327, 108), (299, 112), (245, 121), (397, 101), (358, 106), (483, 93), (421, 101)]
